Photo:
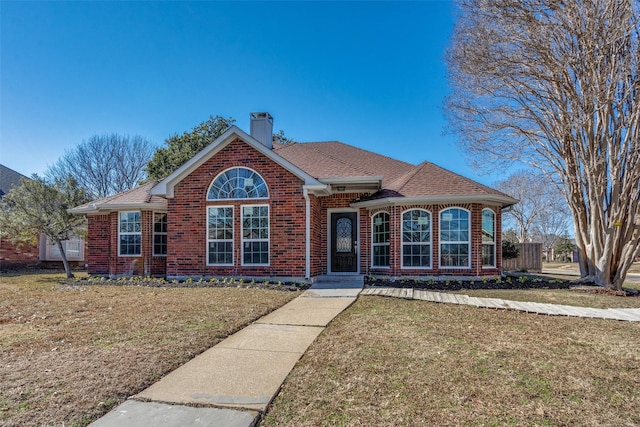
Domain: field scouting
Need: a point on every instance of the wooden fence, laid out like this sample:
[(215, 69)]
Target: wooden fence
[(529, 258)]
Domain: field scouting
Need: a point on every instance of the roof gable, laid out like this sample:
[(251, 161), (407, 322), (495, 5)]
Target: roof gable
[(166, 186), (428, 179), (429, 183), (135, 198), (8, 179)]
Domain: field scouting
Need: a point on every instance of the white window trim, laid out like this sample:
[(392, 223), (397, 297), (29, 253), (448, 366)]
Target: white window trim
[(120, 233), (494, 239), (154, 233), (243, 240), (232, 240), (403, 243), (373, 265), (242, 198), (456, 242)]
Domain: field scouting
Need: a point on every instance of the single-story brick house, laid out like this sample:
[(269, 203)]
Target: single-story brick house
[(247, 207)]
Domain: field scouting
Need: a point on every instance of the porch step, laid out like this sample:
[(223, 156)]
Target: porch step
[(340, 278)]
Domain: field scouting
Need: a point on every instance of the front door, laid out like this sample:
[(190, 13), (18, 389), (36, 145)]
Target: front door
[(344, 242)]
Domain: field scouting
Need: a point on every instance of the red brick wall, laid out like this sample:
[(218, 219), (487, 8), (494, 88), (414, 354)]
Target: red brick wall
[(102, 249), (17, 256), (187, 218), (395, 226), (99, 244), (317, 226)]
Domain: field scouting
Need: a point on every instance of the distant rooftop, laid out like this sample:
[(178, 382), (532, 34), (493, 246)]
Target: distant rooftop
[(9, 178)]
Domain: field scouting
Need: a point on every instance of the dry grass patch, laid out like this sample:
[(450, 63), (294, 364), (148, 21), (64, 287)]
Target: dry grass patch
[(388, 361), (578, 298), (68, 354)]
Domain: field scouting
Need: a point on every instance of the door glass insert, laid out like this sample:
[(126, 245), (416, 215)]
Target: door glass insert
[(344, 235)]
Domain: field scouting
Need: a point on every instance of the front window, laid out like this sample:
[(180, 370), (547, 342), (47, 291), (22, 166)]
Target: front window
[(238, 183), (160, 234), (220, 235), (380, 240), (255, 235), (130, 234), (488, 238), (416, 239), (454, 238)]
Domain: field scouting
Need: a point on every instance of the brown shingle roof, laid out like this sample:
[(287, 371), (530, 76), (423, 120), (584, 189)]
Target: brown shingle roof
[(400, 179), (337, 160), (428, 179), (130, 198)]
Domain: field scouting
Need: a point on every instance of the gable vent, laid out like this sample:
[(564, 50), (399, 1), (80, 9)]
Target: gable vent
[(262, 128)]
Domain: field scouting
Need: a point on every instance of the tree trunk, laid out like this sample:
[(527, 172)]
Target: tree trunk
[(65, 262)]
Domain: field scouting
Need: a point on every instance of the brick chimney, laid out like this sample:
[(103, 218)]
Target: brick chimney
[(262, 128)]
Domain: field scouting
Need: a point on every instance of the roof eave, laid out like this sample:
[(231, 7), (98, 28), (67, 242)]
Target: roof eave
[(354, 184), (501, 201), (101, 209), (351, 180)]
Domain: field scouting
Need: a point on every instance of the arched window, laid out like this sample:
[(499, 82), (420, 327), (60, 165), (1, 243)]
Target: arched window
[(416, 239), (488, 238), (238, 183), (380, 240), (455, 243)]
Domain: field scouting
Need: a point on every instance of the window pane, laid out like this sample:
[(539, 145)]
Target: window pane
[(238, 183), (160, 222), (160, 244), (488, 255), (255, 234), (381, 255), (454, 255), (416, 226), (380, 232), (416, 255), (220, 253), (130, 244), (488, 225), (454, 225), (256, 252), (220, 225)]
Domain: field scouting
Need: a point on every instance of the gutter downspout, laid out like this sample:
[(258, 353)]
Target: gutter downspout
[(307, 243)]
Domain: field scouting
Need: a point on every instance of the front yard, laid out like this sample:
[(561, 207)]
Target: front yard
[(68, 354), (389, 362)]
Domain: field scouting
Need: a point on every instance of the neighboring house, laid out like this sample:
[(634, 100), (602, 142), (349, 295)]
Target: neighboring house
[(29, 255), (14, 256), (244, 207)]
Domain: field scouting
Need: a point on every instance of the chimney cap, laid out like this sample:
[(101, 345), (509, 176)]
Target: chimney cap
[(263, 115)]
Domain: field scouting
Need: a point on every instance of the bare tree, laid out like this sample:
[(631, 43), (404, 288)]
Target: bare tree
[(552, 226), (37, 206), (541, 215), (554, 84), (105, 164)]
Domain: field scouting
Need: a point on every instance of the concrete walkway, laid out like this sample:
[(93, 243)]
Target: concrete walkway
[(625, 314), (232, 383), (572, 270)]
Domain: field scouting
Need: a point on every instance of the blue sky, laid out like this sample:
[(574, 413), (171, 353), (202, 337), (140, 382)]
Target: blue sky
[(370, 74)]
